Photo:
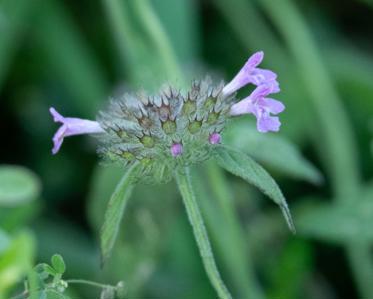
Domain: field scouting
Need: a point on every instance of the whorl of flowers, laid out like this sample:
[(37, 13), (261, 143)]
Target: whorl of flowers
[(175, 128)]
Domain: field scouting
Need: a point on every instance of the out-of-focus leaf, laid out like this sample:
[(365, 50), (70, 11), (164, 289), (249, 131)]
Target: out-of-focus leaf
[(187, 192), (114, 212), (338, 223), (218, 208), (58, 263), (107, 293), (103, 183), (14, 18), (70, 58), (52, 294), (16, 261), (243, 166), (4, 241), (12, 218), (18, 185), (181, 26), (158, 38), (291, 270), (44, 270), (274, 151), (79, 251), (338, 147)]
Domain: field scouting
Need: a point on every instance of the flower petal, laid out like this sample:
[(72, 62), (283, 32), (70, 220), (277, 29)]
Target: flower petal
[(58, 139), (260, 76), (56, 116), (254, 60), (274, 106), (267, 123)]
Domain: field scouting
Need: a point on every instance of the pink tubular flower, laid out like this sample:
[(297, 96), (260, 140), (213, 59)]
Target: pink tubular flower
[(71, 126), (250, 73), (262, 108)]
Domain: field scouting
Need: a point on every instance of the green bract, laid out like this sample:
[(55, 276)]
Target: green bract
[(143, 128)]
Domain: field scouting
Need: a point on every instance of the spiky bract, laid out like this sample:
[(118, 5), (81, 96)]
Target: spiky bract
[(143, 128)]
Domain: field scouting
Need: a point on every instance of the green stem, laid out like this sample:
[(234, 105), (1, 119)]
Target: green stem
[(239, 263), (88, 282), (159, 38), (200, 233)]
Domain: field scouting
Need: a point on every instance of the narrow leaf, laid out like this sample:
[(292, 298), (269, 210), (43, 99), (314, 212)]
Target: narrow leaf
[(287, 160), (245, 167), (114, 212), (195, 218)]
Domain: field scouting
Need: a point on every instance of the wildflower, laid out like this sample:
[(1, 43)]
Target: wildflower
[(262, 107), (72, 126), (158, 137), (155, 129), (250, 73)]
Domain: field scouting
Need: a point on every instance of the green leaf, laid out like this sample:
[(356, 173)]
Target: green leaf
[(44, 270), (338, 223), (218, 208), (114, 212), (195, 218), (16, 261), (243, 166), (287, 158), (14, 18), (4, 241), (58, 263), (72, 61), (17, 185)]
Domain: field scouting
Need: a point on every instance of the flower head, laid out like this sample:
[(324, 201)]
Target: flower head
[(262, 107), (250, 73), (174, 129), (71, 126), (166, 130)]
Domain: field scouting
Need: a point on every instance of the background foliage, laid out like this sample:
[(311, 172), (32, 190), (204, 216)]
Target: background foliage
[(75, 54)]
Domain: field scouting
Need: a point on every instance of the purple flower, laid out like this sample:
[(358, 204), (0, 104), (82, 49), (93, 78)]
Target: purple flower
[(262, 107), (250, 73), (71, 126), (214, 138), (176, 149)]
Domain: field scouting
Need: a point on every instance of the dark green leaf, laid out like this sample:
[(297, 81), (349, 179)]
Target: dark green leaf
[(114, 212), (243, 166)]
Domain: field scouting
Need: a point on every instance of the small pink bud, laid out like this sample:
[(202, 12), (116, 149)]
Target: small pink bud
[(215, 138), (176, 149)]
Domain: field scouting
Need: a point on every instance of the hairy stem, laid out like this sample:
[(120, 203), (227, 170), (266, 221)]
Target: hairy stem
[(200, 233), (240, 263)]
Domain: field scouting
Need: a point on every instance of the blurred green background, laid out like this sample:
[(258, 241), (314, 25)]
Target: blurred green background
[(74, 55)]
